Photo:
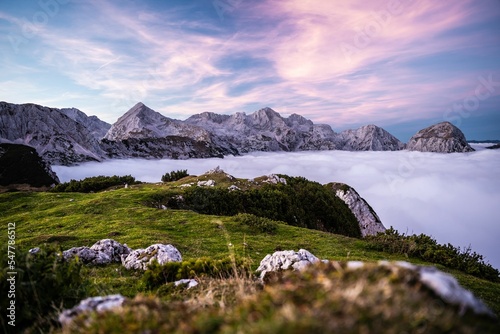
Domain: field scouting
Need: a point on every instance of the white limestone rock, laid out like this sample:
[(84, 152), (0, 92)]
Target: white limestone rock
[(190, 283), (207, 183), (284, 260), (446, 287), (112, 248), (87, 255), (93, 304), (369, 222), (274, 179), (104, 251), (141, 258)]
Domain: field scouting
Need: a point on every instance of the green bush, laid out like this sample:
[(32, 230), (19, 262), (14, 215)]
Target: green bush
[(426, 248), (45, 283), (261, 224), (174, 175), (157, 275), (299, 202), (95, 183)]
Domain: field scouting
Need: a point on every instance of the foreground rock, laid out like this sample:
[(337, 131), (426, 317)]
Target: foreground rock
[(102, 252), (442, 138), (94, 304), (369, 222), (442, 284), (284, 260), (142, 258)]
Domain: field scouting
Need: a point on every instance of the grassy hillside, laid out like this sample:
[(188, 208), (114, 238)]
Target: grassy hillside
[(125, 214)]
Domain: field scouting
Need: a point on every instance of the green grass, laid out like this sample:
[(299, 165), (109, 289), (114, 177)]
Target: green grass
[(76, 219)]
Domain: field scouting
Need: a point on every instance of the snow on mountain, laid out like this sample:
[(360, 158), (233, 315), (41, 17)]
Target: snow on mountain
[(443, 137), (56, 137)]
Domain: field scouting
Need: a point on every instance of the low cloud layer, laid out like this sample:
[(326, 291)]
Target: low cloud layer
[(452, 197)]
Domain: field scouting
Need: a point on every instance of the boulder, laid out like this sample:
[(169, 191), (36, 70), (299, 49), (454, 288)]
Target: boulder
[(93, 304), (284, 260), (102, 252), (112, 248), (141, 258), (87, 255), (189, 282)]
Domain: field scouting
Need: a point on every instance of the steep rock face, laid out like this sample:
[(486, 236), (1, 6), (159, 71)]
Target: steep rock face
[(96, 127), (369, 222), (141, 122), (56, 137), (266, 130), (21, 164), (143, 132), (370, 138), (443, 137)]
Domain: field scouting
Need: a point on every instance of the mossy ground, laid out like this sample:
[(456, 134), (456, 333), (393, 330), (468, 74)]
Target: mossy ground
[(75, 219)]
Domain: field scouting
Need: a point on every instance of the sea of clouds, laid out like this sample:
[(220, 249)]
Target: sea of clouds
[(453, 197)]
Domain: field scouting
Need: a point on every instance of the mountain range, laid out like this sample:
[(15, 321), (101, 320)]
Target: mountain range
[(68, 136)]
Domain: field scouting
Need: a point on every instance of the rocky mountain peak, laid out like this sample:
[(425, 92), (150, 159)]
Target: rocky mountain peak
[(443, 137), (370, 138)]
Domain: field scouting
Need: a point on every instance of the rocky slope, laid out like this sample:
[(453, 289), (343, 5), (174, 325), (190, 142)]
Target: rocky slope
[(370, 138), (143, 132), (97, 128), (442, 137), (21, 165), (369, 222), (56, 137)]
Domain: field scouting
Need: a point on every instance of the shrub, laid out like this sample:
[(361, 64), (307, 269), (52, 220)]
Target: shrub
[(261, 224), (157, 275), (174, 175), (426, 248), (95, 183), (299, 202), (44, 284)]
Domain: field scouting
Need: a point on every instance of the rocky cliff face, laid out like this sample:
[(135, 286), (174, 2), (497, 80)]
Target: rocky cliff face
[(370, 138), (143, 132), (56, 137), (96, 127), (442, 137), (369, 222), (141, 122), (265, 130), (21, 164)]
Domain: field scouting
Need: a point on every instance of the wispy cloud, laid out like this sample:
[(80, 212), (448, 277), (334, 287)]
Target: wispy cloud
[(342, 63)]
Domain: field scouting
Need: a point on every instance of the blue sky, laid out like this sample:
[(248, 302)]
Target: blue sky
[(399, 64)]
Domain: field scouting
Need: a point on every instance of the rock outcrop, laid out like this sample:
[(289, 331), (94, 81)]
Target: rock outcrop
[(142, 258), (442, 138), (21, 164), (369, 222), (102, 252)]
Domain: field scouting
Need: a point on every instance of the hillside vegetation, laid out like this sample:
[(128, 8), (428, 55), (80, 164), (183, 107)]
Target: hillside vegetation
[(222, 251)]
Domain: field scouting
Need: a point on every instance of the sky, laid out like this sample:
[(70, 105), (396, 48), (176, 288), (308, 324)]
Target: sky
[(451, 197), (399, 64)]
